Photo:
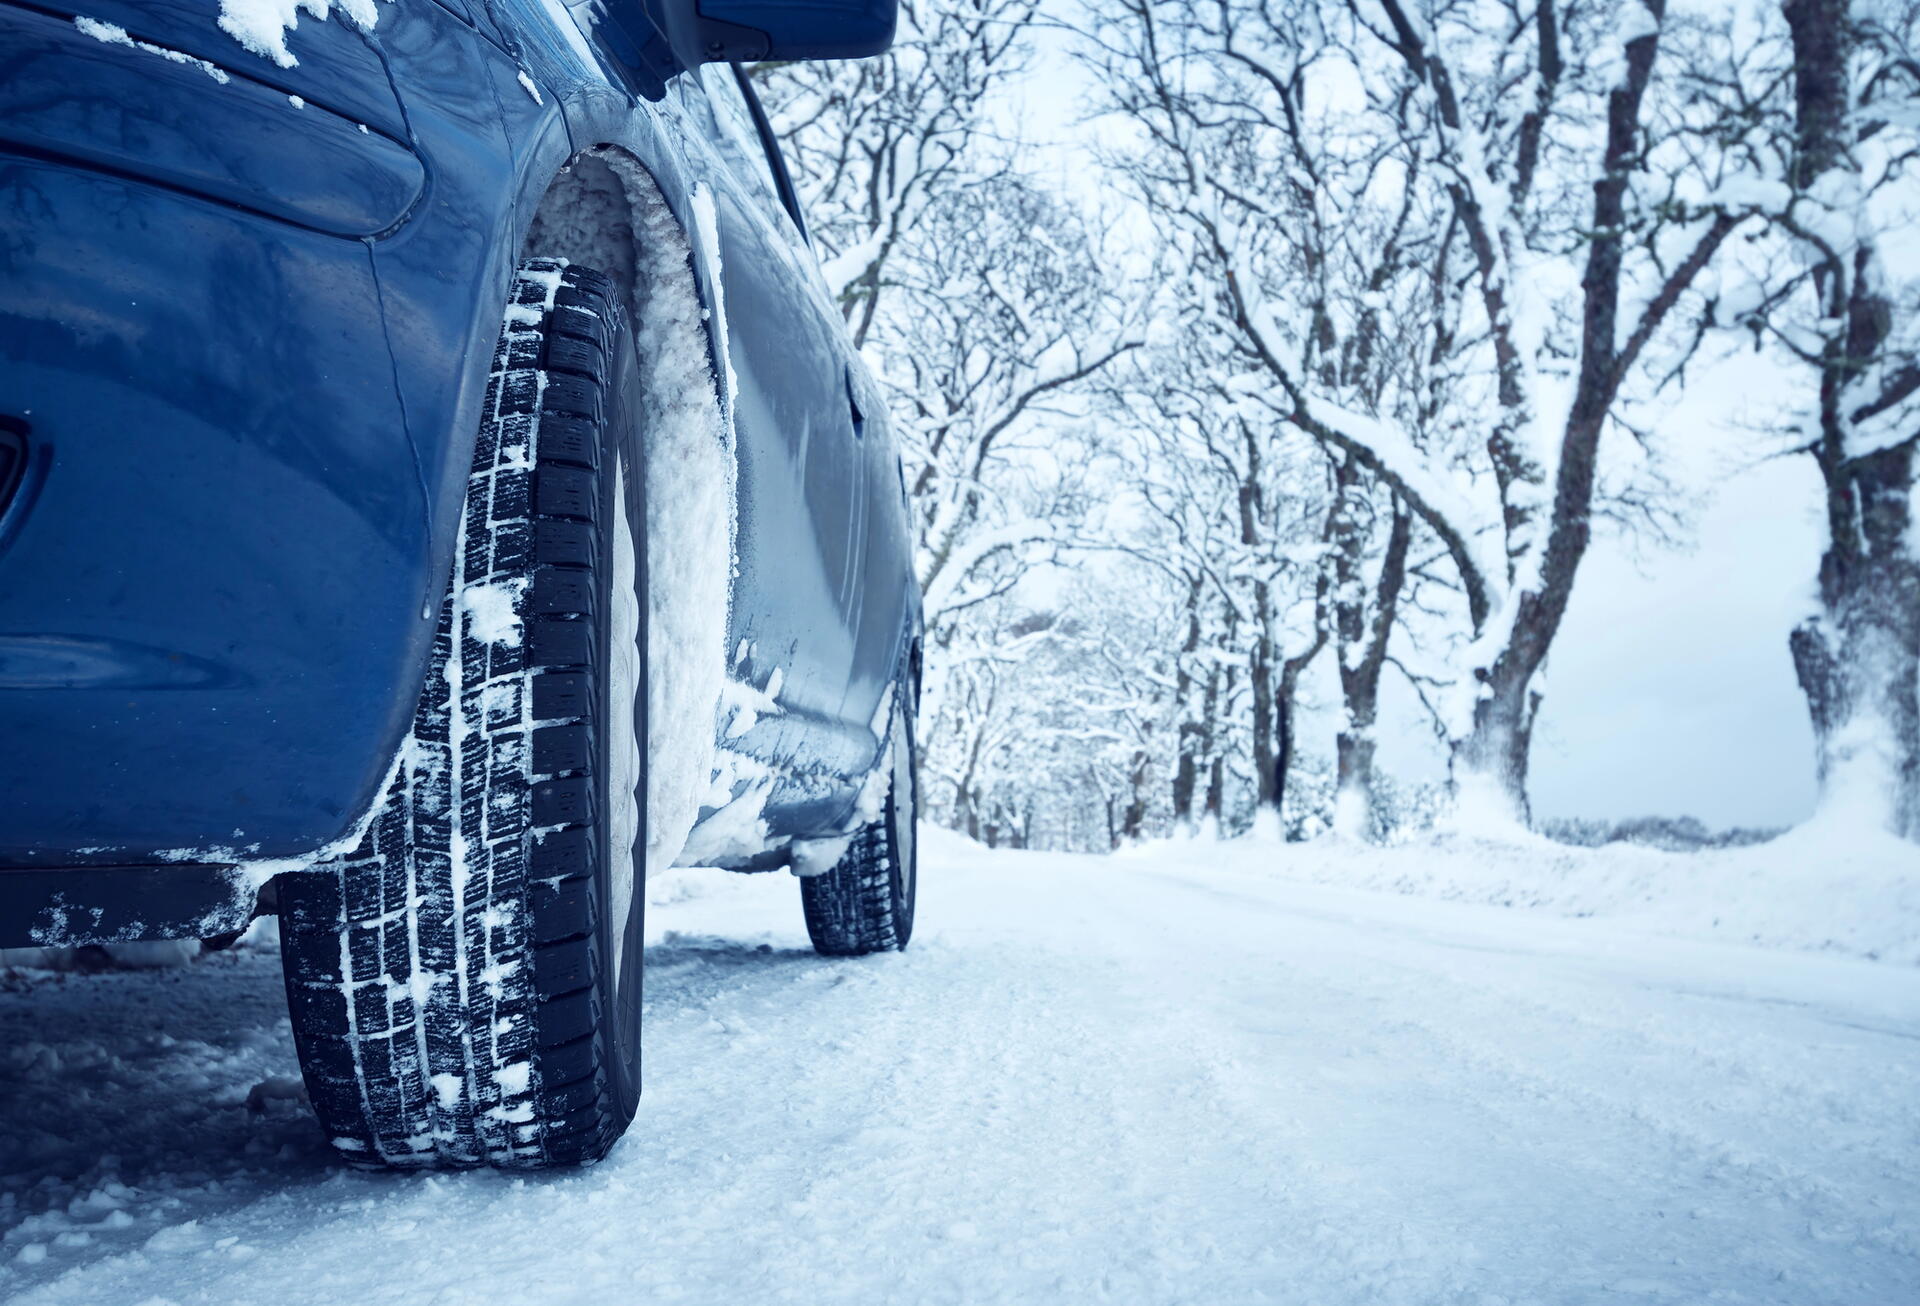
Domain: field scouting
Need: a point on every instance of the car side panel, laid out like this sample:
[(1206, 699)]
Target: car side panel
[(443, 278), (256, 438), (889, 615), (797, 595), (204, 613)]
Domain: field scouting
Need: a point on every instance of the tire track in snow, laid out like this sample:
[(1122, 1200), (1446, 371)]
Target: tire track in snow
[(1770, 1073), (1507, 1046)]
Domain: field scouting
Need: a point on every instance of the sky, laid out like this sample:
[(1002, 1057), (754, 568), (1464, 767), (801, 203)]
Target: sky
[(1670, 690)]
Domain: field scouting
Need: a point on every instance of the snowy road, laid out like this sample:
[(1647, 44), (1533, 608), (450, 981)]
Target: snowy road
[(1132, 1081)]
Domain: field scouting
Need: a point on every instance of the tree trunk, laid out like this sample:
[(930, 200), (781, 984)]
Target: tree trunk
[(1266, 785), (1363, 622), (1193, 726), (1133, 822), (1284, 738), (1283, 742), (1208, 753), (1490, 764), (1858, 659), (1356, 815), (1290, 672), (1220, 690), (969, 813), (1186, 779), (1267, 782)]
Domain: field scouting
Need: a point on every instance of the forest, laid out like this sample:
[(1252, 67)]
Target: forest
[(1313, 365)]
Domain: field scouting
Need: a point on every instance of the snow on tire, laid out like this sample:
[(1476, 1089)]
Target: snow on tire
[(459, 991)]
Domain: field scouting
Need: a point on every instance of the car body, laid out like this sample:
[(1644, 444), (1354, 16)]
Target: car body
[(247, 302)]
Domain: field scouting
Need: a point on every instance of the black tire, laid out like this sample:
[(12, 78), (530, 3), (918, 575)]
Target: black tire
[(457, 992), (865, 903)]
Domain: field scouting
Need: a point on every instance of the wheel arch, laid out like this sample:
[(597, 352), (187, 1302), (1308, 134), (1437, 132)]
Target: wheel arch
[(587, 214)]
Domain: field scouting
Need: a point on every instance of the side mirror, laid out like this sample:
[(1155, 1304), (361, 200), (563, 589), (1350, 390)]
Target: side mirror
[(653, 40), (747, 31)]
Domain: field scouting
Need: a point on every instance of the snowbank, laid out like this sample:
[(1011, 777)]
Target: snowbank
[(1813, 888)]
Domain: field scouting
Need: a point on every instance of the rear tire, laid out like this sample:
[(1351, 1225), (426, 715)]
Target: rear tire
[(865, 903), (465, 986)]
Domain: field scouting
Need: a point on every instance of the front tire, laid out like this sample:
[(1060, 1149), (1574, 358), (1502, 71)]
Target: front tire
[(865, 903), (465, 986)]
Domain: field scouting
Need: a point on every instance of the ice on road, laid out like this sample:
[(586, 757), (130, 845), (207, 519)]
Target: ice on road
[(1142, 1080)]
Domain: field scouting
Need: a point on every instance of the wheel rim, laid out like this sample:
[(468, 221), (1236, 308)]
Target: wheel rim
[(623, 740)]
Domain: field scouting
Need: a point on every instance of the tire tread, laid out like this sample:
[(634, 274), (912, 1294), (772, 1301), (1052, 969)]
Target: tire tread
[(852, 910), (416, 999)]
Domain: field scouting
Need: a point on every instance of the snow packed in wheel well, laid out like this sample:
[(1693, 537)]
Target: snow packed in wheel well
[(606, 211)]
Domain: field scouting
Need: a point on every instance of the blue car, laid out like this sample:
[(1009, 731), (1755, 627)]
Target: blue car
[(436, 490)]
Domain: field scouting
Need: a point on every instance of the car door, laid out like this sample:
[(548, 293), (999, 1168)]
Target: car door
[(879, 543), (801, 488)]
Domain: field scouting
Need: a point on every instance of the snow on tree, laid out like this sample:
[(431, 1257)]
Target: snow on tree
[(1236, 514), (1830, 161), (1520, 188), (1375, 311)]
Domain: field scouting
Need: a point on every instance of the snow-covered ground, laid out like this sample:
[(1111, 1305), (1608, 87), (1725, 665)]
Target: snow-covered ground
[(1828, 886), (1181, 1075)]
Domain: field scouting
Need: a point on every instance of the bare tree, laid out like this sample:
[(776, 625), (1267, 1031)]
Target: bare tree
[(1237, 503), (874, 144), (1449, 271), (1334, 229), (996, 319)]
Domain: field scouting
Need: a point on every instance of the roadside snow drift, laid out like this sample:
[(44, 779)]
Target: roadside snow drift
[(1819, 888)]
